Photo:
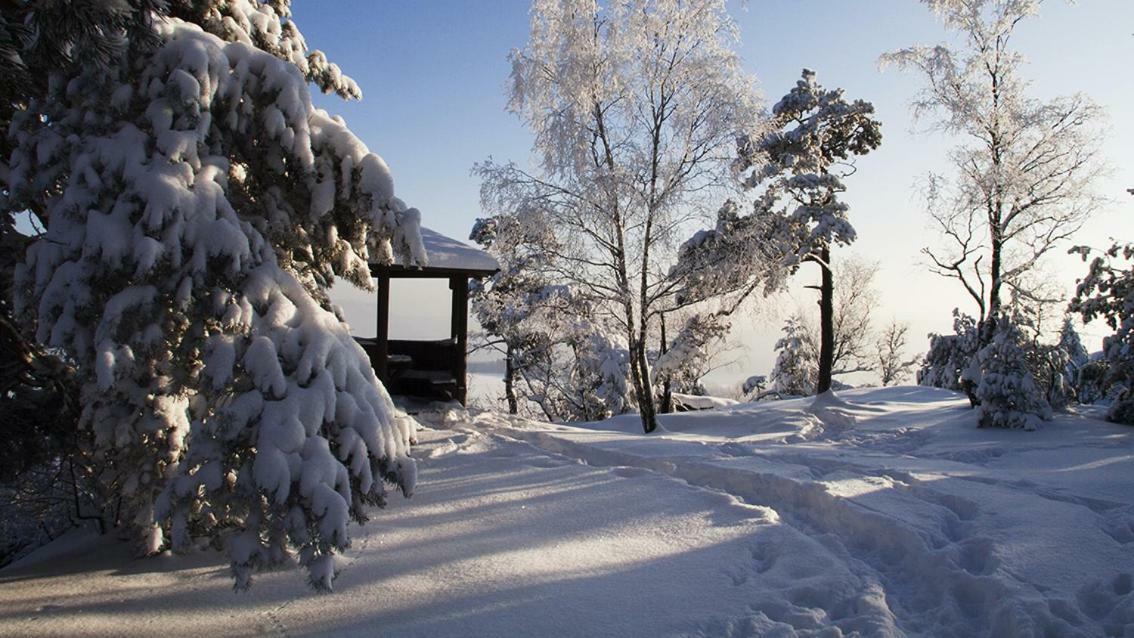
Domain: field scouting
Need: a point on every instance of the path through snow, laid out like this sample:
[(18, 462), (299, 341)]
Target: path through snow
[(884, 514), (958, 531)]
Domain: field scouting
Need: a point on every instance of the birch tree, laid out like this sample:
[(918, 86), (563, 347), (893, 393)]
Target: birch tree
[(516, 306), (1022, 174), (891, 352), (635, 107)]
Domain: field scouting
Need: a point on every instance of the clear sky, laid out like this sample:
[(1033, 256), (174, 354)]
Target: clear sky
[(433, 76)]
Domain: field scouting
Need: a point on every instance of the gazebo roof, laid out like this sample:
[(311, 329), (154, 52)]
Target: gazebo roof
[(447, 256)]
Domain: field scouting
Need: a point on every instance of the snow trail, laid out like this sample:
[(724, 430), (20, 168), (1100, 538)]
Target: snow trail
[(956, 548), (502, 539), (904, 521)]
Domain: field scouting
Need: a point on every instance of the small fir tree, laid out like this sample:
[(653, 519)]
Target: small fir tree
[(519, 306), (794, 373), (950, 356), (1008, 392)]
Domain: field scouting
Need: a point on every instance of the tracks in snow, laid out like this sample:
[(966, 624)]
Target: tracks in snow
[(933, 568)]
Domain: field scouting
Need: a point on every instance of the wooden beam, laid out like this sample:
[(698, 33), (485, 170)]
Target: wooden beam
[(401, 272), (460, 333), (382, 334)]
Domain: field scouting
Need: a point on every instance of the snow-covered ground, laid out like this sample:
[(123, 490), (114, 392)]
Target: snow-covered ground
[(884, 513)]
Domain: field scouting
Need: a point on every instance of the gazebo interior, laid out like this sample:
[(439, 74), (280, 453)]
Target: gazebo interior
[(429, 369)]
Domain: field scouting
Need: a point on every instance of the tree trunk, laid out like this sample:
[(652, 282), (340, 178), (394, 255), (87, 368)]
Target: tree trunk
[(667, 385), (640, 375), (988, 326), (826, 322), (510, 380)]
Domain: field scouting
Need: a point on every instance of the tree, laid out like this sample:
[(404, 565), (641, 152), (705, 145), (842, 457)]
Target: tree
[(1008, 392), (855, 299), (1022, 182), (693, 353), (196, 208), (795, 370), (754, 386), (519, 305), (852, 317), (950, 357), (635, 108), (1077, 357), (1107, 292), (815, 135), (891, 348)]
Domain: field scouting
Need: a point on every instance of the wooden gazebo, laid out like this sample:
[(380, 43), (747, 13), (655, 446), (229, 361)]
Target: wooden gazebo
[(428, 369)]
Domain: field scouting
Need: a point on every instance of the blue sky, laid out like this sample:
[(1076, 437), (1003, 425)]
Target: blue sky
[(434, 73)]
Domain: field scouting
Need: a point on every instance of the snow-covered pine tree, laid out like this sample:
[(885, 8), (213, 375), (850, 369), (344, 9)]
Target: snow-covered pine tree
[(1077, 356), (795, 371), (1008, 392), (1070, 342), (1107, 293), (197, 208), (598, 387), (717, 271), (690, 355), (950, 356), (816, 135)]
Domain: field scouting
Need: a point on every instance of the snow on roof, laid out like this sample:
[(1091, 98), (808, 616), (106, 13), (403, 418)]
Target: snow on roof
[(446, 253)]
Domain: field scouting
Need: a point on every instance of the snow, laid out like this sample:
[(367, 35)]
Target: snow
[(697, 402), (167, 240), (447, 253), (879, 511)]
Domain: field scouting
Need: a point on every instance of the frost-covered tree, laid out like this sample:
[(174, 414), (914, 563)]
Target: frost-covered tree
[(1107, 293), (893, 366), (950, 356), (1070, 342), (691, 355), (1077, 356), (635, 106), (816, 134), (1009, 394), (196, 209), (598, 384), (520, 306), (855, 300), (742, 255), (795, 370), (754, 386), (1023, 173)]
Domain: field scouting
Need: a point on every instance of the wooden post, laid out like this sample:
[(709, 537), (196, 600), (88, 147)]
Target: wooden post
[(460, 333), (382, 334)]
